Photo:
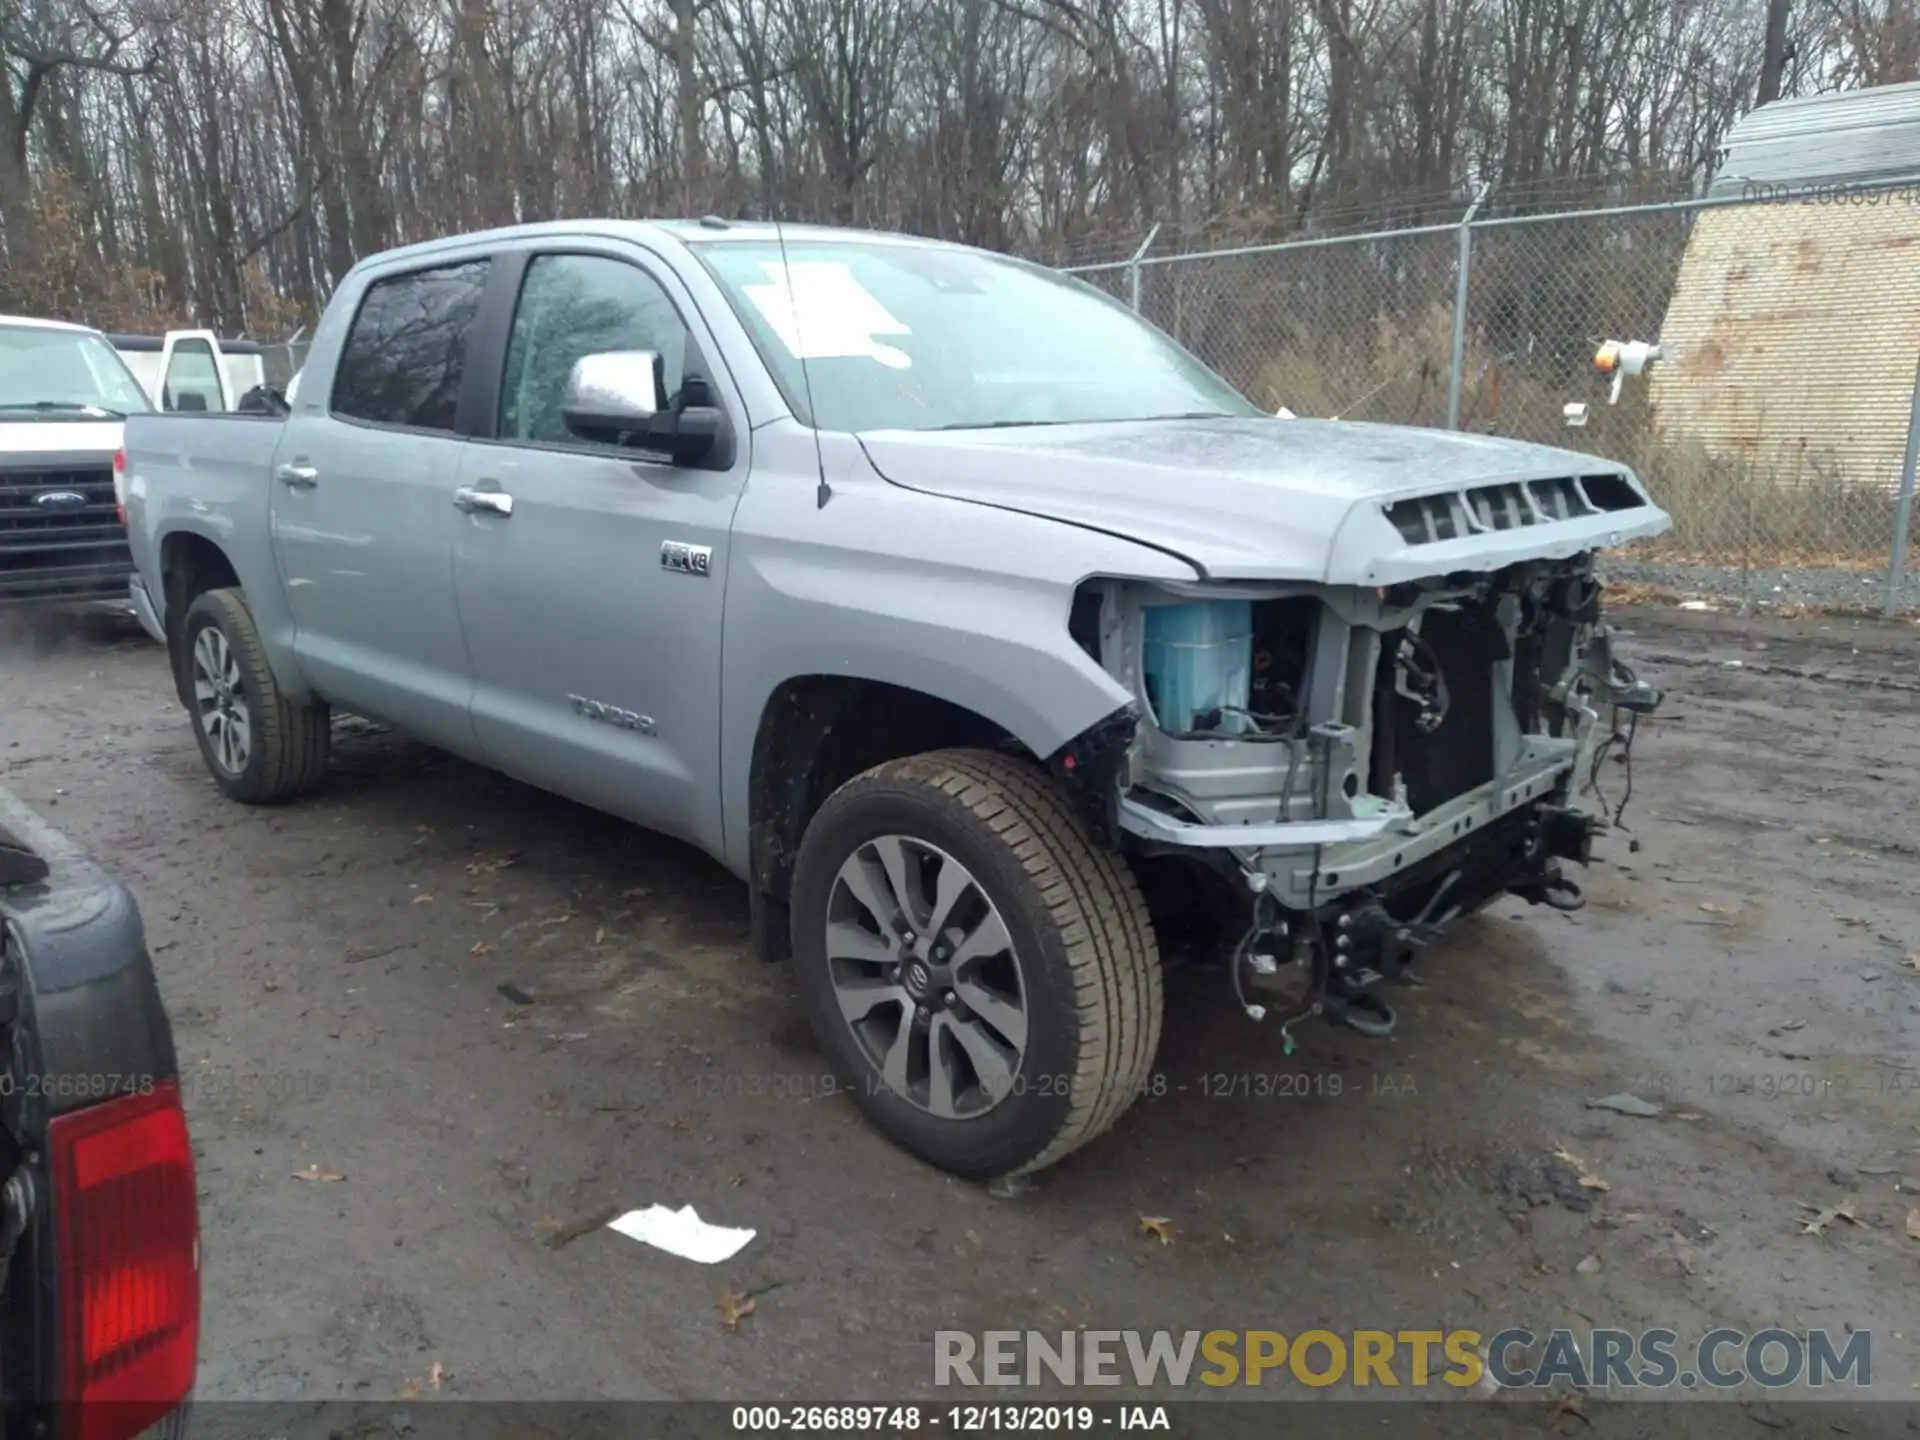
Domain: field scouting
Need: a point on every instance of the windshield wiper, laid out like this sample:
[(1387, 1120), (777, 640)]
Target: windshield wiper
[(62, 407)]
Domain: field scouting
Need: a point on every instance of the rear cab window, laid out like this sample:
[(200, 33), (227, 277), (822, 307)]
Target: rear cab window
[(405, 356)]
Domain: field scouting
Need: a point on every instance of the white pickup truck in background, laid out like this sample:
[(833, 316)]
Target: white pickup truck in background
[(192, 369), (64, 392)]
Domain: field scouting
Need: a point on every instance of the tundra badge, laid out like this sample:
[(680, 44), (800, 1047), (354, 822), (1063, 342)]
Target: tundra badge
[(611, 714), (685, 558)]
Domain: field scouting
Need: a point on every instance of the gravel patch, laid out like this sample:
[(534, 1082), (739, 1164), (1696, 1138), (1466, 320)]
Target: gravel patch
[(1862, 591)]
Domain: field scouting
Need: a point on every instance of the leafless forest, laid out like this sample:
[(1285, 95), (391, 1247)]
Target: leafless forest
[(224, 161)]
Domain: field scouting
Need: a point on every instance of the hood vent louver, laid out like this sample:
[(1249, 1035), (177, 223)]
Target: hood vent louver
[(1509, 505)]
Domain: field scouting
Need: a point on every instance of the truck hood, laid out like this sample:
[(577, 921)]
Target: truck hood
[(58, 436), (1334, 502)]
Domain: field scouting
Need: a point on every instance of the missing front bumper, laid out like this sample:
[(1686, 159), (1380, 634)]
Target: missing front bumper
[(1308, 863)]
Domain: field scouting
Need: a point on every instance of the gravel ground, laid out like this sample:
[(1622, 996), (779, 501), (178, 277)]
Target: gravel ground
[(1768, 590), (335, 973)]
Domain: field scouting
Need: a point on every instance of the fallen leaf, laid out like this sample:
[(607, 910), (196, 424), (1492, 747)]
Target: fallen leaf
[(1853, 920), (1683, 1255), (1568, 1405), (1588, 1180), (423, 899), (1913, 1224), (680, 1122), (1912, 962), (489, 867), (411, 1390), (600, 934), (555, 1232), (314, 1172), (1713, 909), (1688, 1115), (437, 1374), (734, 1307), (1626, 1103), (480, 947), (1158, 1226), (1823, 1217), (1588, 1266)]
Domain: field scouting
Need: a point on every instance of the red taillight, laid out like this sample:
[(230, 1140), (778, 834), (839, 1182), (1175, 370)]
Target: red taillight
[(127, 1238), (120, 484)]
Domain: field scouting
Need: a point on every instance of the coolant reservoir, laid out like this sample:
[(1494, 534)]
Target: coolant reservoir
[(1199, 665)]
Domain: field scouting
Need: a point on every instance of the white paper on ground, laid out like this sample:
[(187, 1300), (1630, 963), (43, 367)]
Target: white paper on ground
[(681, 1232)]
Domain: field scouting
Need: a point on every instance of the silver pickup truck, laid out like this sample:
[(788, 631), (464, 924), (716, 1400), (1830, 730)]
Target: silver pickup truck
[(995, 642)]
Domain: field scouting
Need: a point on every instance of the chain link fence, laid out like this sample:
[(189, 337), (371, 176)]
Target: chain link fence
[(1778, 424), (281, 360)]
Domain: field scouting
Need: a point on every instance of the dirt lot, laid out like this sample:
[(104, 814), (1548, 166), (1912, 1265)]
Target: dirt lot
[(335, 972)]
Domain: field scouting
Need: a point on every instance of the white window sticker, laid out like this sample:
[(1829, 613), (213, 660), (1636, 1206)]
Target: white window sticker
[(820, 312)]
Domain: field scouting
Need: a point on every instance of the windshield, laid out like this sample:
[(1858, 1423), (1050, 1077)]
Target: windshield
[(910, 337), (63, 373)]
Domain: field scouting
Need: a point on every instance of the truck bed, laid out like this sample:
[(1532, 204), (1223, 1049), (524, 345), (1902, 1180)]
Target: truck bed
[(208, 474)]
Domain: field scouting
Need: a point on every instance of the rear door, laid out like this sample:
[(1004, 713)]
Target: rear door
[(592, 607), (363, 518)]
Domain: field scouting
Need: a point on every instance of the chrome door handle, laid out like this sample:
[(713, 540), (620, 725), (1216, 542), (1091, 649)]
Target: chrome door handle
[(496, 502), (298, 477)]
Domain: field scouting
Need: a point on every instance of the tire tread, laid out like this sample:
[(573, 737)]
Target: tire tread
[(294, 738), (1097, 908)]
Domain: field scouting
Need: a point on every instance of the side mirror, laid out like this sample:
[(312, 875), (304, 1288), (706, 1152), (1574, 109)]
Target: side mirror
[(613, 394), (619, 397)]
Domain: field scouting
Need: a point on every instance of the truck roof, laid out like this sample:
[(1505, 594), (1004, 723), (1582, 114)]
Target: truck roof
[(709, 230), (154, 344), (29, 322)]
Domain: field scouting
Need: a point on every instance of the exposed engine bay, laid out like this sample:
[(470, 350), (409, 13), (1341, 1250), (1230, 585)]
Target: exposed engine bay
[(1317, 781)]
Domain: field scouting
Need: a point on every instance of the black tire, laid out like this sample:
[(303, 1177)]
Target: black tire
[(286, 744), (1089, 966)]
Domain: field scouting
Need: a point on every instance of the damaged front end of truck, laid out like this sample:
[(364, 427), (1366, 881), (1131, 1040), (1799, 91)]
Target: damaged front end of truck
[(1317, 778)]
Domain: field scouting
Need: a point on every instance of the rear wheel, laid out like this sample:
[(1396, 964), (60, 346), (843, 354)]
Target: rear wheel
[(259, 746), (982, 976)]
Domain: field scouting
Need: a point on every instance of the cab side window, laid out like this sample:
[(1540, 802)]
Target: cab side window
[(405, 356), (573, 306)]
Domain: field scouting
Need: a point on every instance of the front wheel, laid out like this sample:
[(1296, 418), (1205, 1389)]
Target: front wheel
[(981, 974), (259, 746)]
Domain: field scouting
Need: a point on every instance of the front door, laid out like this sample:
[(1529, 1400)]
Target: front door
[(362, 507), (590, 577)]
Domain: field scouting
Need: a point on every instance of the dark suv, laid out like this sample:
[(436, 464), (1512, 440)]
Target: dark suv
[(99, 1224)]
